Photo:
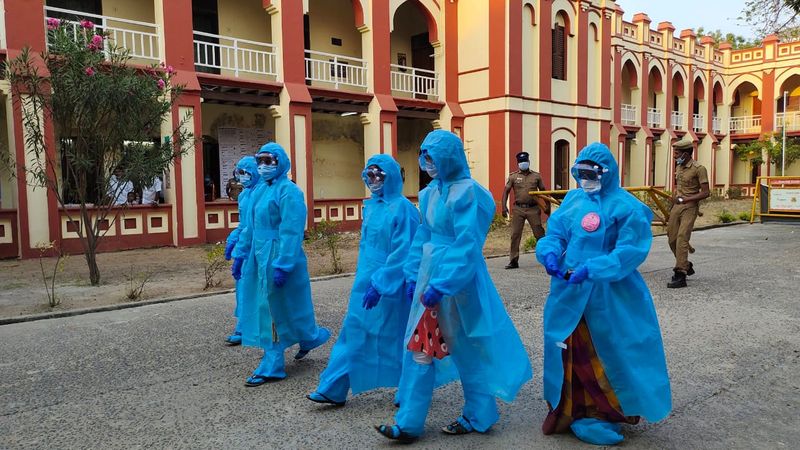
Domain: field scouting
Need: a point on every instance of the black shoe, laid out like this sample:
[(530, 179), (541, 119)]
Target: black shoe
[(678, 280), (690, 272), (512, 265)]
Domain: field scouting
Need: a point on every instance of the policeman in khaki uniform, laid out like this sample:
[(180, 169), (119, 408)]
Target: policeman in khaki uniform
[(691, 186), (526, 206)]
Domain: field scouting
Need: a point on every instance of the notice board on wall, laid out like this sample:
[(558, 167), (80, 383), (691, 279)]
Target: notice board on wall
[(235, 143)]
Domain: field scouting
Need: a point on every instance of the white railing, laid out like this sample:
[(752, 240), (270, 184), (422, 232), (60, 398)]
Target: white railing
[(139, 38), (745, 124), (628, 114), (698, 122), (716, 125), (677, 121), (791, 118), (238, 55), (415, 81), (336, 69), (654, 118)]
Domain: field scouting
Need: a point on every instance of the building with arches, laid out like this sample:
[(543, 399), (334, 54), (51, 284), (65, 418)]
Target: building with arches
[(335, 81)]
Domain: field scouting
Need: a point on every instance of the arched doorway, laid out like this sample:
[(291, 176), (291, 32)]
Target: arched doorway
[(413, 68), (561, 165)]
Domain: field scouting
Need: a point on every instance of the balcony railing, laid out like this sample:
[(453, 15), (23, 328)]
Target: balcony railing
[(678, 121), (415, 81), (628, 114), (238, 55), (336, 69), (716, 125), (745, 124), (698, 123), (791, 118), (654, 118), (139, 38)]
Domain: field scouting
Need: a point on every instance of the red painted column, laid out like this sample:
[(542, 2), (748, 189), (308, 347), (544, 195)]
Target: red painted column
[(545, 54), (179, 53), (381, 72), (667, 81), (582, 33), (768, 107), (25, 28), (546, 150), (497, 88), (605, 80), (515, 144), (451, 67)]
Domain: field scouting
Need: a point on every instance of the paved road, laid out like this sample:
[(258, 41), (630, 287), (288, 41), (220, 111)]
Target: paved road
[(159, 376)]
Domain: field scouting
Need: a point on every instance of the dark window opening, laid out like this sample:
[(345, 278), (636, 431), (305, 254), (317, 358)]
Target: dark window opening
[(559, 53)]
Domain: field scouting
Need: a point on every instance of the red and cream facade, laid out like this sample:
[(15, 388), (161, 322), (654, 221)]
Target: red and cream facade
[(335, 81)]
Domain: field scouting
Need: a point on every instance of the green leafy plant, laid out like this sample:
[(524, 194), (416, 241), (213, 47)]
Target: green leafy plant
[(105, 115), (769, 145), (529, 244), (326, 231), (498, 223), (136, 283), (50, 283), (214, 262), (725, 217), (745, 216)]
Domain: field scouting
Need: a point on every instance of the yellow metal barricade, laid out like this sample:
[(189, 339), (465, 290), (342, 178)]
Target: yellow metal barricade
[(660, 201)]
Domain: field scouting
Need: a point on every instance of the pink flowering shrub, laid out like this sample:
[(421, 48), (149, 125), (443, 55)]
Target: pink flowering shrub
[(87, 24)]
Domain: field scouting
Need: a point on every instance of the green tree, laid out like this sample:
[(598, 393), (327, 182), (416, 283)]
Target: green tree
[(738, 42), (769, 145), (781, 17), (105, 113)]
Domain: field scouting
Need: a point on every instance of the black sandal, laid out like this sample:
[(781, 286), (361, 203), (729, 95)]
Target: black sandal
[(323, 399), (395, 433), (459, 426), (258, 380)]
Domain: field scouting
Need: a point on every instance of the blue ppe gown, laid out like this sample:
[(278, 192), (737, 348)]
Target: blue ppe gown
[(614, 299), (485, 350), (244, 201), (369, 351), (277, 318)]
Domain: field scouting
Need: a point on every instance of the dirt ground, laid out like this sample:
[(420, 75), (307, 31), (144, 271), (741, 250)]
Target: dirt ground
[(180, 271)]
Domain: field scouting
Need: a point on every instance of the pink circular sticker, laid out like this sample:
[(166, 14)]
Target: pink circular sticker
[(590, 222)]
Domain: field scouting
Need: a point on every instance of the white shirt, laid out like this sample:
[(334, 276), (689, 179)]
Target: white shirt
[(119, 191), (150, 193)]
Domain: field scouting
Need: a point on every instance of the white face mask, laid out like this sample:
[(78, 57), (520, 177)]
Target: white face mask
[(524, 166), (375, 187), (591, 186), (267, 172), (244, 179), (431, 169)]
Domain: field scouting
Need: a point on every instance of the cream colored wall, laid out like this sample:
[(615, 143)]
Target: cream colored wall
[(38, 213), (473, 85), (476, 143), (565, 90), (530, 52), (141, 10), (337, 152), (216, 115), (188, 180), (473, 29), (530, 141), (741, 171), (594, 63), (8, 185), (329, 19), (663, 160), (410, 133), (638, 162), (244, 19)]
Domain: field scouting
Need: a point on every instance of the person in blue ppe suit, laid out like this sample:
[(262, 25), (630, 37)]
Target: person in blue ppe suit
[(604, 360), (247, 175), (281, 313), (458, 326), (369, 351)]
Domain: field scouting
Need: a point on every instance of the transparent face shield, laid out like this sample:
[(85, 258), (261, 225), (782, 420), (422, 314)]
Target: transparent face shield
[(375, 178), (266, 159), (589, 175), (426, 164)]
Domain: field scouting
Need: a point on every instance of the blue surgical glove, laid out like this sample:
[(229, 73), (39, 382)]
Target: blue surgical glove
[(551, 265), (431, 297), (229, 250), (236, 268), (371, 298), (410, 288), (279, 277), (579, 275)]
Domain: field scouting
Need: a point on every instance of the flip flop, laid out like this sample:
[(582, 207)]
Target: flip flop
[(258, 380), (233, 340), (316, 397), (395, 433)]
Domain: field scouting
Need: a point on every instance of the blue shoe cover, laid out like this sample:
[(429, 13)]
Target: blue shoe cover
[(597, 432), (305, 347)]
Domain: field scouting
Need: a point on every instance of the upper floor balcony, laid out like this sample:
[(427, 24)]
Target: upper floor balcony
[(698, 123), (419, 83), (628, 114), (227, 55), (790, 119), (333, 71), (655, 118), (716, 125), (139, 38), (678, 121), (745, 125)]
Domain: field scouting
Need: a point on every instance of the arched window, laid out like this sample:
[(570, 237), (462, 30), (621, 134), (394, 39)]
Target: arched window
[(560, 31), (561, 165)]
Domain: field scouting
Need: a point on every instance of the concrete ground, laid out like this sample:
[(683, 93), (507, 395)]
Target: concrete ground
[(159, 377)]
